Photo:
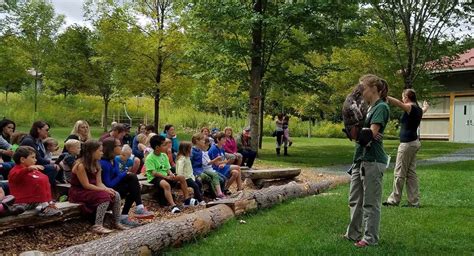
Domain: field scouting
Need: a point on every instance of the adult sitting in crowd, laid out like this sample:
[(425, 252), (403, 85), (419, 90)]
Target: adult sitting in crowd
[(7, 128), (127, 138), (170, 133), (207, 134), (230, 147), (80, 132), (244, 147), (117, 132), (126, 183), (38, 132)]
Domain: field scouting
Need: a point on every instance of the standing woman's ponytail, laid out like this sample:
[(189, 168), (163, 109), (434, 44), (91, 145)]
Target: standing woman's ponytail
[(384, 90)]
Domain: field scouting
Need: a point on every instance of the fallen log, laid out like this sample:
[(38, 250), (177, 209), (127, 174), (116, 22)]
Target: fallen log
[(270, 196), (286, 173), (155, 236), (260, 177), (30, 218), (267, 197)]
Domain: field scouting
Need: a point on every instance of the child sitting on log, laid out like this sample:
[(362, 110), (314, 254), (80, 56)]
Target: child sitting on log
[(202, 165), (158, 172), (88, 190), (51, 146), (184, 168), (29, 185), (67, 159), (231, 172), (127, 161)]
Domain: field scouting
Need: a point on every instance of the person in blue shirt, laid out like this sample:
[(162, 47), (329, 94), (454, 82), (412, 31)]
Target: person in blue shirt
[(170, 133), (125, 183), (128, 162), (232, 172)]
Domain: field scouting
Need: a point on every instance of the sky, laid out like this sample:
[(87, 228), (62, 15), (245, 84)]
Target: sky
[(72, 9)]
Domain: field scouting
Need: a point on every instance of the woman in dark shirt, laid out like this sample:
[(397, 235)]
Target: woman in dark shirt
[(405, 166)]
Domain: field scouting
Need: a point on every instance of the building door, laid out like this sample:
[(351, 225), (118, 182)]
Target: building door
[(464, 121)]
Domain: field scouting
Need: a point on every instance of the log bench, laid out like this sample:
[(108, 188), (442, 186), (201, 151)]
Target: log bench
[(30, 218), (258, 177)]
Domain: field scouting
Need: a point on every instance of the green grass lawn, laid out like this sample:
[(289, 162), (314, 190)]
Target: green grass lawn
[(317, 152), (313, 225)]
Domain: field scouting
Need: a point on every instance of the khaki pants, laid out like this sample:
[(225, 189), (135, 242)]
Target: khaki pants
[(405, 171), (365, 200)]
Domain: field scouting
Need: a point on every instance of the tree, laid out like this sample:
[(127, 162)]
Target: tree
[(36, 25), (415, 27), (69, 61), (280, 35), (12, 65), (154, 52), (110, 57)]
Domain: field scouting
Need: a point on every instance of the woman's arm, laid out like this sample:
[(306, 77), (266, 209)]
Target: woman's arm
[(112, 176), (425, 106), (404, 106)]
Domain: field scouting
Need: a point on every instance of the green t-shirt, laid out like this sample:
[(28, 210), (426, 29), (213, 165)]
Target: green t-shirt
[(156, 163), (378, 114)]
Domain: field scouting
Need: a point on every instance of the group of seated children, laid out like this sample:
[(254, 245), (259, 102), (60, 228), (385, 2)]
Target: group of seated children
[(101, 173)]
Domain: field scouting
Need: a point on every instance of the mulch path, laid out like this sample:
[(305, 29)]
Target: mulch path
[(56, 236)]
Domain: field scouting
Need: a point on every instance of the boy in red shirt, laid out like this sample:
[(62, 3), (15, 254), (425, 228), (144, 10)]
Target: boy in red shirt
[(29, 185)]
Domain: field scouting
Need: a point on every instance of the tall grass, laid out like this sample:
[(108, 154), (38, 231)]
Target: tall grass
[(64, 112)]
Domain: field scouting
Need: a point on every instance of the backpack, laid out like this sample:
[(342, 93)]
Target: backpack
[(354, 111)]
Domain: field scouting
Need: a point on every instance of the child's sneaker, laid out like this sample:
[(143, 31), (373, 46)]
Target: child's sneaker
[(202, 203), (129, 223), (190, 202), (175, 209), (143, 213), (50, 210)]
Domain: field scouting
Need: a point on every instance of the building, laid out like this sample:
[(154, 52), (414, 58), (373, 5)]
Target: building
[(451, 115)]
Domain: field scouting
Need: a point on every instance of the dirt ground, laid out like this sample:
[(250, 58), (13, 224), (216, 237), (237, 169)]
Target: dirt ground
[(56, 236)]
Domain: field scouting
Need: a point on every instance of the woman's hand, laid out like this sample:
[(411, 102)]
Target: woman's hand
[(221, 166), (111, 191)]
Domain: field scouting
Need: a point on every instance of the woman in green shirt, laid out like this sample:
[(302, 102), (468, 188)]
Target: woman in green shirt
[(370, 162)]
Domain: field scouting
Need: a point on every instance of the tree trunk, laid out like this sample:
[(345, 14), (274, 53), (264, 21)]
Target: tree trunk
[(106, 111), (157, 109), (255, 75), (261, 118), (160, 8)]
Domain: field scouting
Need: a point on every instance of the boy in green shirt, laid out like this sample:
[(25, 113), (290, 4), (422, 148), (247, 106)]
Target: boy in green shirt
[(158, 172)]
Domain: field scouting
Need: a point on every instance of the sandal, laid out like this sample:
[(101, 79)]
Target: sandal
[(99, 229), (8, 200)]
